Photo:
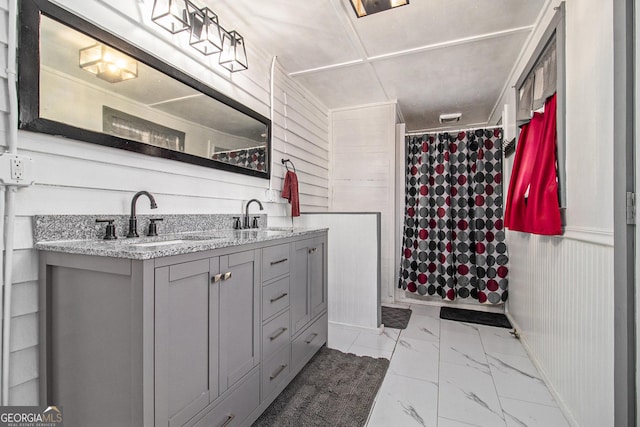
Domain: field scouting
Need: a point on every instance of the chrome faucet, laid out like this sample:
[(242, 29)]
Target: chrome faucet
[(246, 213), (133, 221)]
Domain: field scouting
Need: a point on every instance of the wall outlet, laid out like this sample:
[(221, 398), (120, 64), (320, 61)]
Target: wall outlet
[(16, 170)]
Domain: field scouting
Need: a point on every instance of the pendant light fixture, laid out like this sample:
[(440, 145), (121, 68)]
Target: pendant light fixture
[(172, 15), (233, 56), (107, 63), (206, 34)]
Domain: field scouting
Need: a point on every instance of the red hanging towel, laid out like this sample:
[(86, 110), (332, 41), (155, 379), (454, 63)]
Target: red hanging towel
[(290, 192), (532, 202)]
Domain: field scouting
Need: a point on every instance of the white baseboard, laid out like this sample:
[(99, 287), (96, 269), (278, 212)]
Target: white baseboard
[(454, 304), (378, 330)]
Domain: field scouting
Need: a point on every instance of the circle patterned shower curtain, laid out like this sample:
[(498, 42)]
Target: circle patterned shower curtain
[(454, 239)]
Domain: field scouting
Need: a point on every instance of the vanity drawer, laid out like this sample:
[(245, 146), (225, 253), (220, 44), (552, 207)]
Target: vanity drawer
[(309, 341), (237, 406), (275, 334), (275, 297), (275, 261), (275, 370)]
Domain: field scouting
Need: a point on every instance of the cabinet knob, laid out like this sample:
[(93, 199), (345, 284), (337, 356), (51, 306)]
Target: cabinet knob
[(222, 276), (312, 250)]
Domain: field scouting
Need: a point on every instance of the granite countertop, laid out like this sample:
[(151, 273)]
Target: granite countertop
[(142, 248)]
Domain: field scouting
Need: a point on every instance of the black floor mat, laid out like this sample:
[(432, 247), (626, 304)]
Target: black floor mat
[(472, 316), (396, 318)]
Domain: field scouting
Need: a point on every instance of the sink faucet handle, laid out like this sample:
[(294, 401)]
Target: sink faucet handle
[(110, 230), (236, 223), (153, 227), (254, 224)]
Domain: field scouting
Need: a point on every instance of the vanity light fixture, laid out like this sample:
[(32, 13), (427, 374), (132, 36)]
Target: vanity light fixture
[(368, 7), (233, 56), (206, 33), (108, 63), (172, 15)]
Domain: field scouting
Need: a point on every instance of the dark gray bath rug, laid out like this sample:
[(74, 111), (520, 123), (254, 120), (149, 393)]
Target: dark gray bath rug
[(472, 316), (334, 389), (396, 318)]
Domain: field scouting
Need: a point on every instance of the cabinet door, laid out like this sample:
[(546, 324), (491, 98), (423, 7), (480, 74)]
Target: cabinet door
[(186, 313), (239, 316), (299, 301), (317, 276)]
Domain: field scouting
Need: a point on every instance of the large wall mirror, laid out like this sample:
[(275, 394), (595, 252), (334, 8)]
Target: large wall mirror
[(82, 82)]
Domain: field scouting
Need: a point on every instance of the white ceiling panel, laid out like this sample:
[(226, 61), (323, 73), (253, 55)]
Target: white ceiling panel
[(343, 87), (303, 34), (314, 40), (427, 22), (466, 78)]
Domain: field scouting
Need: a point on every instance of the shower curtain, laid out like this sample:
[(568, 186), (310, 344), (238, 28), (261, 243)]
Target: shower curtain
[(454, 240)]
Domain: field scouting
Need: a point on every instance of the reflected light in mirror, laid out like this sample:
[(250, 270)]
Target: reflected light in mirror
[(108, 64)]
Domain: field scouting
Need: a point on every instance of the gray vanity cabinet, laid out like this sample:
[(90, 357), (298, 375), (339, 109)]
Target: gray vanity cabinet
[(206, 335), (239, 346), (309, 284), (206, 338), (186, 339)]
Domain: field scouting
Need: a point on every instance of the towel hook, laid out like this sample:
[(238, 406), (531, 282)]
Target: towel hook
[(285, 162)]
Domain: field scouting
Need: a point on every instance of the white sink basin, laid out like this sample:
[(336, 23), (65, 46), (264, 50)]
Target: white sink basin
[(160, 243)]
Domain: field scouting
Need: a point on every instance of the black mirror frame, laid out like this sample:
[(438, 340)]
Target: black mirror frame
[(29, 89)]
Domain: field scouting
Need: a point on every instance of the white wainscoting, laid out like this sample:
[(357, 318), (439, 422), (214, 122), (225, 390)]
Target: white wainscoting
[(353, 266), (561, 302)]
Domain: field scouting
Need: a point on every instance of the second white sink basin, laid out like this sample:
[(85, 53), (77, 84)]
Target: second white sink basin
[(160, 243)]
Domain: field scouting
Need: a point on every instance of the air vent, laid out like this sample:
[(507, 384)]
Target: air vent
[(450, 118)]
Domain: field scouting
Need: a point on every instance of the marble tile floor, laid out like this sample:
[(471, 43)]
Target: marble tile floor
[(451, 374)]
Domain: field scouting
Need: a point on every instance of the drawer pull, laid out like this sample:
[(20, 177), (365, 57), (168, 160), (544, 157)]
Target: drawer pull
[(228, 421), (272, 300), (311, 337), (280, 261), (226, 276), (278, 372), (277, 334), (312, 250), (216, 278)]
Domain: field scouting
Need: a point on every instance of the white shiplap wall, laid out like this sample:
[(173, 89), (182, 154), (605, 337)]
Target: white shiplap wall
[(79, 178), (301, 134), (363, 175)]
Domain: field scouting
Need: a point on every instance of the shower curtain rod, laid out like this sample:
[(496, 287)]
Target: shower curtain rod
[(425, 132)]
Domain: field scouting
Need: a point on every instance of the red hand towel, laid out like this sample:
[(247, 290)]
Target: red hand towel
[(290, 192)]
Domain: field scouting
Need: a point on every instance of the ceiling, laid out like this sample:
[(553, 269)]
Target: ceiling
[(432, 56)]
